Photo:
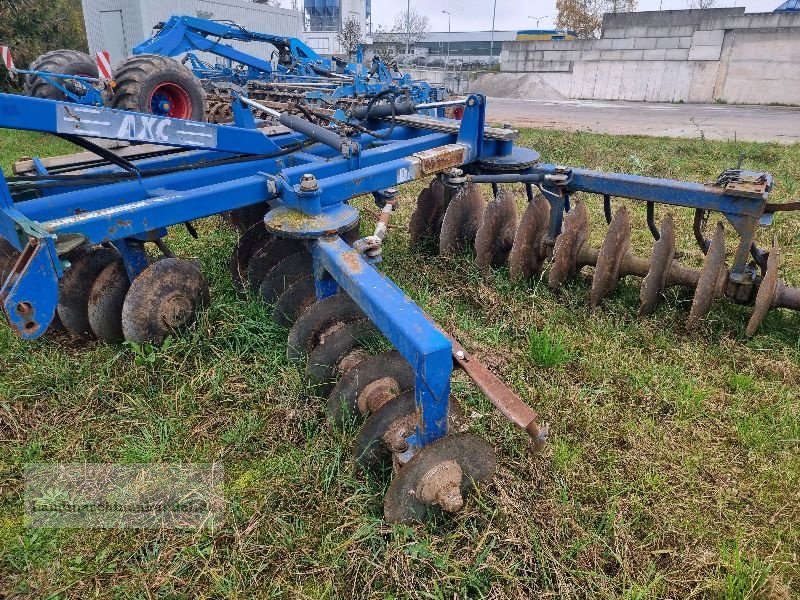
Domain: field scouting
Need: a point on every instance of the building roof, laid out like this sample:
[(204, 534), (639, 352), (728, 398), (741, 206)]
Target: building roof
[(789, 6), (459, 36)]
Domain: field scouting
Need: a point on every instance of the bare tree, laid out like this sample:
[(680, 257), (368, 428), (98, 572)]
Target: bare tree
[(585, 17), (386, 43), (701, 4), (412, 25), (295, 5), (350, 35)]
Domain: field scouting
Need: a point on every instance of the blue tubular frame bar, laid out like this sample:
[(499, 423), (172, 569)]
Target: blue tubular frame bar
[(142, 208), (404, 323), (65, 118), (744, 212)]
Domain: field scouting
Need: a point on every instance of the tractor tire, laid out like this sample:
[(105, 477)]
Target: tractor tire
[(149, 83), (64, 62)]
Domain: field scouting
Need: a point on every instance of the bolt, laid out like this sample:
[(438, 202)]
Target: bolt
[(460, 355), (308, 183), (24, 308)]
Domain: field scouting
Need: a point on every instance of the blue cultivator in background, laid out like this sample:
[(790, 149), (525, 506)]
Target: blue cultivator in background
[(79, 239), (154, 80)]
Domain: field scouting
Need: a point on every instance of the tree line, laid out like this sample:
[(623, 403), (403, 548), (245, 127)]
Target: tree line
[(32, 27)]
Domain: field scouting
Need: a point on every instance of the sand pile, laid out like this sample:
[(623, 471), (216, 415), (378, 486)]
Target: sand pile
[(529, 86)]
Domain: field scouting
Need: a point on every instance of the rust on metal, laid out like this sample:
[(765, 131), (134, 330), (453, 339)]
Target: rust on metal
[(441, 485), (616, 246), (353, 260), (499, 394), (712, 278), (528, 252), (439, 159), (495, 236), (767, 290)]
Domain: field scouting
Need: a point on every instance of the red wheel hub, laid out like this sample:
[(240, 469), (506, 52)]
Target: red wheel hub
[(170, 100)]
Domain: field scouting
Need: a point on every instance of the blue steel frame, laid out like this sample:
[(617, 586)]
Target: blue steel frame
[(144, 205), (97, 214), (90, 95), (745, 212), (187, 35)]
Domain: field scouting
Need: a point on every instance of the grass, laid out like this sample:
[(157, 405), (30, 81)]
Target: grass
[(673, 468)]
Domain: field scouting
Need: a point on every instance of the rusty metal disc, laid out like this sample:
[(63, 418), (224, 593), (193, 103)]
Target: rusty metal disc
[(75, 287), (338, 351), (219, 111), (8, 258), (285, 273), (297, 298), (461, 220), (163, 299), (248, 245), (106, 299), (347, 398), (395, 420), (616, 245), (655, 282), (247, 216), (321, 317), (495, 236), (351, 235), (268, 256), (404, 501), (710, 283), (426, 220), (371, 455), (767, 289), (569, 244), (527, 253)]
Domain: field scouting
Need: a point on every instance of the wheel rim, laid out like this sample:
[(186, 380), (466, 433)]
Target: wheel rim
[(170, 100)]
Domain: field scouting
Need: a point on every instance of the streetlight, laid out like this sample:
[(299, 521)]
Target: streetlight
[(447, 12), (491, 44), (408, 26), (537, 19)]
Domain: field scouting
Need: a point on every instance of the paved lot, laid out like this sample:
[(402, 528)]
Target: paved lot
[(714, 121)]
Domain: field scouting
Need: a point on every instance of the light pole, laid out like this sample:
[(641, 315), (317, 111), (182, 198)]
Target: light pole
[(491, 44), (537, 19), (408, 26), (447, 12)]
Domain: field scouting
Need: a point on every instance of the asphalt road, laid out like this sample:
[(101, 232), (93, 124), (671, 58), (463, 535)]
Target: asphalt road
[(714, 121)]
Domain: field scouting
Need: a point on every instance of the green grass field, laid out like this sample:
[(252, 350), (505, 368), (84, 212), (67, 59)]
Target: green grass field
[(673, 467)]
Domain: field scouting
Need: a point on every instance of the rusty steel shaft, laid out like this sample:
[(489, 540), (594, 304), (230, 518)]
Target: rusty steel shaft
[(504, 399)]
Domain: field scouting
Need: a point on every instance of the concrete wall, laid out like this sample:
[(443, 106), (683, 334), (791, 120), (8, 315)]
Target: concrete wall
[(690, 56), (675, 17)]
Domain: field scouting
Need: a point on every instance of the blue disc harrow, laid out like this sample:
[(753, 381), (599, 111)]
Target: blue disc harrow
[(84, 243)]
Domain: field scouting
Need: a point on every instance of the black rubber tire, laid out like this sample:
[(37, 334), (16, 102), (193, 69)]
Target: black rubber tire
[(65, 62), (138, 76)]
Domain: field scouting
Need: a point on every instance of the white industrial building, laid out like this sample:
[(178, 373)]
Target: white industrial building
[(119, 25), (324, 18)]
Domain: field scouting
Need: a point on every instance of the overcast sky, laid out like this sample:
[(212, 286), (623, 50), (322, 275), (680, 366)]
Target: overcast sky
[(475, 15)]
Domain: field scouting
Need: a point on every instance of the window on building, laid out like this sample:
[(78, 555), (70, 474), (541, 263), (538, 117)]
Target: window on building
[(321, 45)]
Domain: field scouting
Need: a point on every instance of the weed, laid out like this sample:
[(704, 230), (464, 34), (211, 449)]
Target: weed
[(545, 349)]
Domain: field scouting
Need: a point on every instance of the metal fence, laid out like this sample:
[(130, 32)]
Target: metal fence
[(458, 79)]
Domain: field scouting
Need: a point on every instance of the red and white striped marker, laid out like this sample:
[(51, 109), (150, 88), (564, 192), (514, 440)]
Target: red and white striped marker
[(103, 59), (8, 60)]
